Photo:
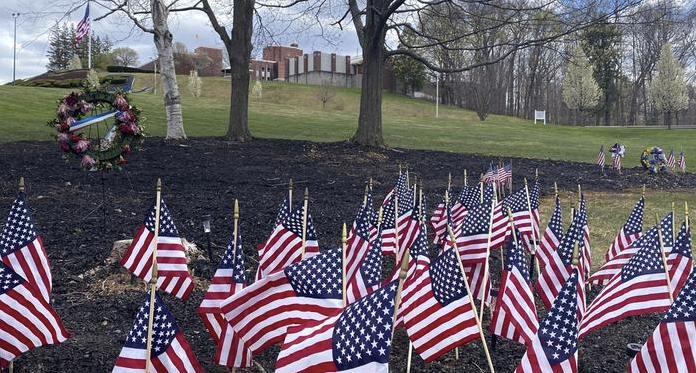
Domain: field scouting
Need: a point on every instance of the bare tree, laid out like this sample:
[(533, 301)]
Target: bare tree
[(125, 56), (325, 93), (151, 16), (375, 19)]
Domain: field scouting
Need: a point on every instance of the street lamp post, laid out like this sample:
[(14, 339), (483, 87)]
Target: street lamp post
[(14, 49), (437, 95)]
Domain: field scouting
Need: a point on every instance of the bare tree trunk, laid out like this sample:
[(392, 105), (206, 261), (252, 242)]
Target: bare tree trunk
[(165, 51), (240, 56), (668, 119), (370, 121)]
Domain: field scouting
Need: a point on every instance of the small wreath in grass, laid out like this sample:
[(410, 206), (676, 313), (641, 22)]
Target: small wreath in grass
[(653, 159), (98, 127)]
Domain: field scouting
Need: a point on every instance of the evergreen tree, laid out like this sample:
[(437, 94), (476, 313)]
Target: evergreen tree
[(601, 44), (60, 48), (668, 89)]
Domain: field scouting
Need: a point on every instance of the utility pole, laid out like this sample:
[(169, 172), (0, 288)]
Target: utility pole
[(437, 95), (15, 15)]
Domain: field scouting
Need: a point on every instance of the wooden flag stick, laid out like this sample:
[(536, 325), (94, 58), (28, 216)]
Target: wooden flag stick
[(471, 299), (235, 217), (674, 225), (153, 277), (664, 258), (449, 181), (579, 195), (402, 276), (344, 260), (379, 220), (21, 184), (686, 214), (290, 196), (466, 181), (555, 188), (305, 205), (488, 253), (642, 192), (396, 227), (367, 189), (535, 246), (481, 192)]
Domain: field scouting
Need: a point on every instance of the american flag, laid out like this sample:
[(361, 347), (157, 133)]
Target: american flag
[(640, 288), (679, 259), (584, 239), (355, 339), (284, 246), (21, 247), (671, 347), (555, 346), (172, 271), (437, 311), (552, 236), (613, 267), (368, 276), (682, 161), (358, 242), (670, 159), (440, 219), (559, 266), (229, 278), (83, 27), (525, 215), (405, 197), (505, 174), (629, 232), (28, 320), (470, 196), (170, 351), (409, 229), (616, 161), (601, 157), (515, 315), (308, 290), (491, 176)]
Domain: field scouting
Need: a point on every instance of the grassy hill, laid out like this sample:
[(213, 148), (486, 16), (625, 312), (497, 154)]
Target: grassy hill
[(294, 112)]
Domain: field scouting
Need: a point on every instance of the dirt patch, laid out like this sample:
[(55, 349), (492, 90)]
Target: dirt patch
[(81, 214)]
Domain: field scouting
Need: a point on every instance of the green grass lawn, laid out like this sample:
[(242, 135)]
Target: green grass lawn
[(293, 111), (607, 211)]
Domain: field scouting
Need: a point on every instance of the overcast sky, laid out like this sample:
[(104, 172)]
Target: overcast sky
[(192, 28)]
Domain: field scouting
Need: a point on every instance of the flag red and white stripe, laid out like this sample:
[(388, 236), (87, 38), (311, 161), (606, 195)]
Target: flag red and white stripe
[(552, 236), (308, 290), (172, 271), (21, 247), (27, 321)]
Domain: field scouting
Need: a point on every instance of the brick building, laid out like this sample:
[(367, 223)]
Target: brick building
[(208, 62)]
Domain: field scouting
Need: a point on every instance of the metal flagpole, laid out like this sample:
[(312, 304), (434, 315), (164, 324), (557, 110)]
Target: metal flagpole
[(437, 95), (89, 41), (14, 49)]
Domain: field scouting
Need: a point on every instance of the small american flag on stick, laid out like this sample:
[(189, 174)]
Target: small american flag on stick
[(170, 350), (21, 247), (671, 347), (682, 161), (601, 158), (671, 162), (28, 321), (172, 270)]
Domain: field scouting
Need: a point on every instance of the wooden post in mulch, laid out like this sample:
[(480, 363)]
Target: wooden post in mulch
[(153, 278), (290, 196), (466, 181), (471, 299)]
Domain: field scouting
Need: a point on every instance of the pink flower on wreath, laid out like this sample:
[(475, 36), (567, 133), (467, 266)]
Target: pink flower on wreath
[(71, 100), (81, 146), (129, 128), (62, 127), (125, 150), (64, 142), (63, 109), (86, 107), (126, 116), (121, 103), (88, 162)]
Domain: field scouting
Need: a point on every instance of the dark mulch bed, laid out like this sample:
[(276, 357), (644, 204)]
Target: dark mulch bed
[(204, 177)]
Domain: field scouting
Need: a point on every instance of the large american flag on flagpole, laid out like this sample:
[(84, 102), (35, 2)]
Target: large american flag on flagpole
[(172, 271), (640, 288), (437, 310), (515, 315), (284, 246), (21, 248), (28, 320), (355, 339), (671, 347), (230, 278), (170, 351), (308, 290), (629, 232), (83, 26), (555, 347), (613, 267), (552, 236)]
